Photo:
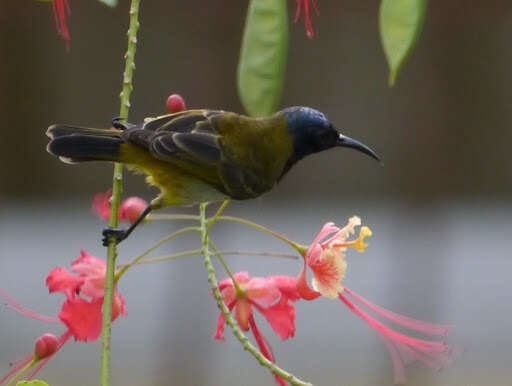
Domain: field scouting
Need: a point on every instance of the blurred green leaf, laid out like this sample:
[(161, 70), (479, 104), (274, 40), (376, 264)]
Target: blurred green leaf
[(400, 25), (32, 383), (262, 65), (110, 3)]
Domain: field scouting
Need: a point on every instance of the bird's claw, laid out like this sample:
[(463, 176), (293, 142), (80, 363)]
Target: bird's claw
[(118, 124), (111, 233)]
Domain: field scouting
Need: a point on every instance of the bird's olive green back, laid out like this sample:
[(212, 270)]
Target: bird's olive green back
[(259, 145), (240, 157)]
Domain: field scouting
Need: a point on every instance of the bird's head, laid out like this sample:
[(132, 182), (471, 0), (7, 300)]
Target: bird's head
[(312, 132)]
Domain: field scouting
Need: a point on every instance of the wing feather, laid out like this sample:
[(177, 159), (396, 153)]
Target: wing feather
[(191, 141)]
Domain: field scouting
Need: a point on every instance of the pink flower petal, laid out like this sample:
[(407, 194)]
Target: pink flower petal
[(287, 285), (221, 322), (303, 288), (219, 331), (262, 291), (281, 317), (101, 205), (61, 280), (118, 305), (83, 318), (327, 229), (89, 265), (243, 311)]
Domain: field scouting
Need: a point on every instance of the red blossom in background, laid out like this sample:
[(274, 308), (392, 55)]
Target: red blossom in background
[(307, 16), (271, 296), (81, 312), (60, 11), (129, 210), (327, 261)]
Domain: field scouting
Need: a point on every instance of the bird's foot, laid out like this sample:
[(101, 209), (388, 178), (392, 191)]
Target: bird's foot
[(118, 124), (112, 233)]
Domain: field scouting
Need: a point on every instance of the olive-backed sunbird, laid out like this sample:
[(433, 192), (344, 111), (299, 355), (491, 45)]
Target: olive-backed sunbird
[(204, 155)]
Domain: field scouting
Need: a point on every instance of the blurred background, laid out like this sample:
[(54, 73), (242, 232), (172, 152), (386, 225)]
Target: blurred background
[(439, 208)]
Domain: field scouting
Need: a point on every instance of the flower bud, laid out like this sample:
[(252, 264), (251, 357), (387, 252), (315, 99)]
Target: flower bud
[(131, 208), (175, 104), (46, 345)]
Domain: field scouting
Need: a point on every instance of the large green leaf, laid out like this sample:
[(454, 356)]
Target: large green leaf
[(400, 26), (263, 54)]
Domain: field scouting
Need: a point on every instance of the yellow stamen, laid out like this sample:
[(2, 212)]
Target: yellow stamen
[(358, 243)]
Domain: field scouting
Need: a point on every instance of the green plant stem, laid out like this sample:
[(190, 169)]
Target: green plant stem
[(197, 252), (137, 259), (217, 253), (221, 208), (165, 217), (298, 247), (194, 252), (205, 240), (116, 197)]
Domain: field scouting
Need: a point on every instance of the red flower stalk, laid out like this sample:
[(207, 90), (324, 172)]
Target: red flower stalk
[(271, 296), (60, 11), (327, 261), (307, 17), (129, 210)]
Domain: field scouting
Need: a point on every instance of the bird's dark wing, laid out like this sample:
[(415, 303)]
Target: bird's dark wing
[(188, 136), (190, 140)]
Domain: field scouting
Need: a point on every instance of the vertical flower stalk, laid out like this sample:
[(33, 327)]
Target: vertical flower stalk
[(116, 195)]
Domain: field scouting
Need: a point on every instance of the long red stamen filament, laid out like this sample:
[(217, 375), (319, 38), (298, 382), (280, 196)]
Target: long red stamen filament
[(264, 346), (21, 362), (413, 324), (21, 309), (404, 349), (420, 344)]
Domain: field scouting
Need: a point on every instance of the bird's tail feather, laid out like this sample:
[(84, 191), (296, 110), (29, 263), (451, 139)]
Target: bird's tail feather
[(80, 144)]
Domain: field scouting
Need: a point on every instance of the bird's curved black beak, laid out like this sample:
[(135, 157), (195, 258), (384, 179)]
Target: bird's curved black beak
[(344, 141)]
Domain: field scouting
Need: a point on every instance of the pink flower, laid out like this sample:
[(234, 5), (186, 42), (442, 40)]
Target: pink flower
[(60, 11), (44, 348), (81, 312), (307, 18), (175, 103), (129, 210), (327, 261), (271, 296)]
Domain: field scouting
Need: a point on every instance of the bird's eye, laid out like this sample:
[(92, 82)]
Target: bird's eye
[(329, 137)]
